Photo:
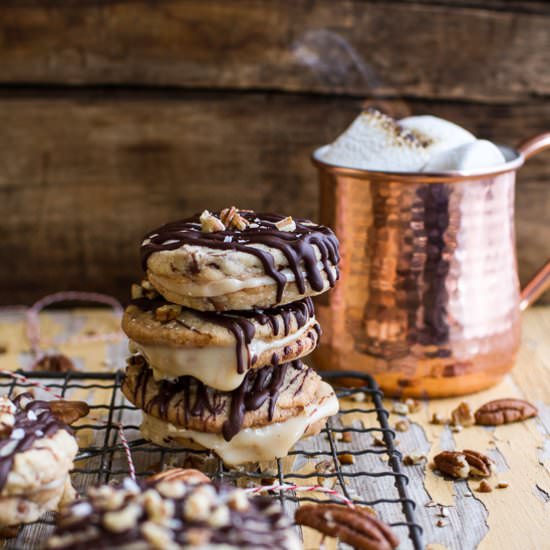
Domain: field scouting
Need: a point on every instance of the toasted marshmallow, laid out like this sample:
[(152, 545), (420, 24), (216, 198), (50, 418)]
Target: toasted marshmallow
[(375, 141), (436, 134), (470, 156)]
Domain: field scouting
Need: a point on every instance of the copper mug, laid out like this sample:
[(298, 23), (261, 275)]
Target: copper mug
[(429, 300)]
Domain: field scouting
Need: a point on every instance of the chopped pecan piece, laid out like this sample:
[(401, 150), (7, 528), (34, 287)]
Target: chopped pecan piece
[(230, 217), (480, 464), (504, 411), (462, 415), (209, 223), (356, 527), (69, 411), (167, 313), (452, 463), (484, 487), (286, 224)]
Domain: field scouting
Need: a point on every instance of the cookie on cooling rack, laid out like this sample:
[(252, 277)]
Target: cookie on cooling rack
[(37, 450), (217, 348), (178, 509), (260, 420), (238, 260)]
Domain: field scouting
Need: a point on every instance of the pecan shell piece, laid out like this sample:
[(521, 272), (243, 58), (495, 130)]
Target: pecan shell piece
[(453, 464), (480, 465), (356, 527), (504, 411)]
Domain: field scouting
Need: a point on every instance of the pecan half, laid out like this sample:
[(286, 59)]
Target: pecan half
[(463, 464), (54, 363), (504, 411), (356, 527), (480, 464), (188, 475), (69, 411), (452, 463)]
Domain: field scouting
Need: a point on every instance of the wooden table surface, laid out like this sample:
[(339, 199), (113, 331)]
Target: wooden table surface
[(511, 518)]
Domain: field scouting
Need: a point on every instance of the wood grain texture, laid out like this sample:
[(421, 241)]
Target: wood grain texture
[(496, 51), (85, 175)]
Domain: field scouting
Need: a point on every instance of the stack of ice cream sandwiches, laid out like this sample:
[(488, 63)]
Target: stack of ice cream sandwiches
[(219, 327)]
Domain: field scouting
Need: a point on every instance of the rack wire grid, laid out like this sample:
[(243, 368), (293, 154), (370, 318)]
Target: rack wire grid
[(373, 478)]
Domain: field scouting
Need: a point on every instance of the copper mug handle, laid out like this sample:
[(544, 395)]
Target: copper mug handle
[(541, 281)]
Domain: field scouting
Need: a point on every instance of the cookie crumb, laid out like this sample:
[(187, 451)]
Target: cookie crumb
[(484, 487)]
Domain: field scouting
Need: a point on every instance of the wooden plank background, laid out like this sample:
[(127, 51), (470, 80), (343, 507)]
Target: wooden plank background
[(119, 115)]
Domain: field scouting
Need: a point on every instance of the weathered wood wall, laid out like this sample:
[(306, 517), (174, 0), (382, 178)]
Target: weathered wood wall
[(119, 115)]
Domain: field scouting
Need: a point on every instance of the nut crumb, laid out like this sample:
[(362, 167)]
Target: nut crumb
[(286, 224), (400, 408), (359, 397), (377, 442), (209, 223), (437, 419), (484, 487), (502, 485), (413, 405), (441, 523), (413, 459), (346, 458), (347, 437), (462, 415), (402, 426), (167, 313)]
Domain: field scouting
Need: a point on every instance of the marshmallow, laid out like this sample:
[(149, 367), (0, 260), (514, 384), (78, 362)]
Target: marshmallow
[(436, 134), (470, 156), (375, 141)]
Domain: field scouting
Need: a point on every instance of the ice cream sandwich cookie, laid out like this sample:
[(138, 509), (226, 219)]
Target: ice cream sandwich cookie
[(240, 260), (37, 450), (260, 420), (218, 348)]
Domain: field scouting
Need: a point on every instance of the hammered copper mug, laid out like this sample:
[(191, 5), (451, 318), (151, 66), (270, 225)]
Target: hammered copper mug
[(429, 300)]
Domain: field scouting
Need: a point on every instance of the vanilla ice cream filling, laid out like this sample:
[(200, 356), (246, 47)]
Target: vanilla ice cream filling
[(215, 366), (227, 285), (251, 444)]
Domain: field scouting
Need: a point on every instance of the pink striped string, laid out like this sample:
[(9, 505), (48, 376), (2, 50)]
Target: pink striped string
[(119, 425), (302, 488)]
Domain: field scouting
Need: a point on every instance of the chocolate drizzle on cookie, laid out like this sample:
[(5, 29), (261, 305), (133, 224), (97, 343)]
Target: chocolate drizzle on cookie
[(192, 398), (33, 420), (241, 324), (298, 246), (258, 523)]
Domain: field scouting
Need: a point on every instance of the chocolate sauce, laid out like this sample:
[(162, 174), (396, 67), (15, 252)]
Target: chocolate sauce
[(192, 398), (297, 246), (42, 423), (241, 325), (258, 526)]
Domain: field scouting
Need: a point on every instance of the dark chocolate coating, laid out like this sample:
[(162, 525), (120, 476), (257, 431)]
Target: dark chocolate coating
[(297, 246), (240, 324), (262, 525), (195, 399)]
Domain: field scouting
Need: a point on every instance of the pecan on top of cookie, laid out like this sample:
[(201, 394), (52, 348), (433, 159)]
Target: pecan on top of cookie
[(308, 251)]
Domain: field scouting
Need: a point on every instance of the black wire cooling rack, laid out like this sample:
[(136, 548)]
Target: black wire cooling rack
[(354, 455)]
